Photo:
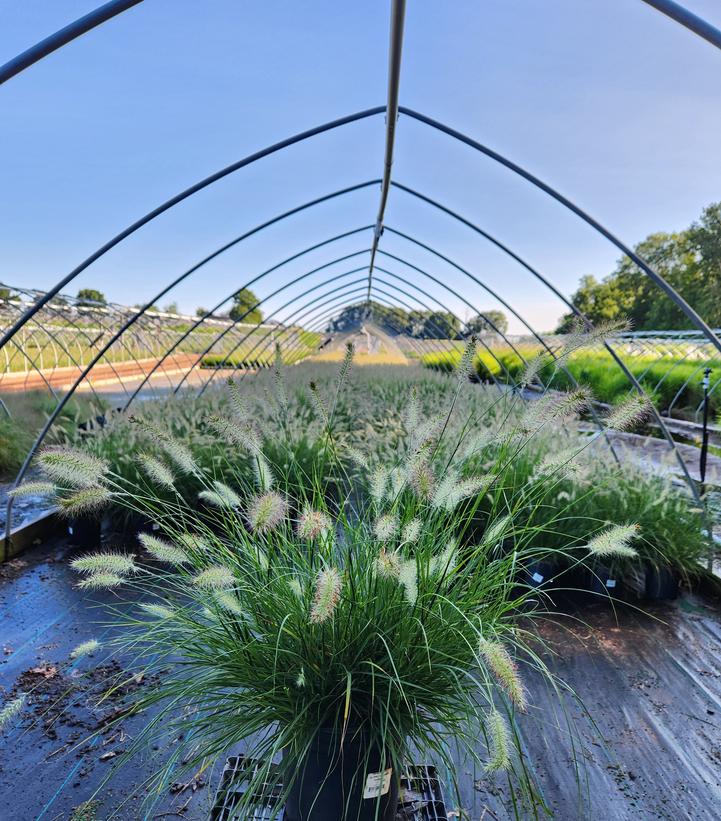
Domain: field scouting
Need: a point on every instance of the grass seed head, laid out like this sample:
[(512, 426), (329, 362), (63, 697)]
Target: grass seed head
[(73, 467), (32, 489), (328, 585), (11, 710), (500, 742), (119, 564), (157, 611), (216, 577), (163, 550), (221, 496), (101, 581), (408, 577), (87, 648), (84, 501), (386, 527), (500, 663), (411, 531), (312, 524), (629, 413), (156, 471), (267, 512), (614, 541), (388, 564)]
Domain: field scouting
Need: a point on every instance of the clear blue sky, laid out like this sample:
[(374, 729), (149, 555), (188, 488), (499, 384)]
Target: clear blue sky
[(607, 100)]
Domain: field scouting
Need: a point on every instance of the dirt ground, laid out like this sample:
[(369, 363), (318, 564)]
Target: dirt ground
[(651, 681)]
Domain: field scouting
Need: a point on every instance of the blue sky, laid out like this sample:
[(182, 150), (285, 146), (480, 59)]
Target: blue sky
[(607, 100)]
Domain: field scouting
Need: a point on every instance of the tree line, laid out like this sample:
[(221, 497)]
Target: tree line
[(416, 323), (688, 260)]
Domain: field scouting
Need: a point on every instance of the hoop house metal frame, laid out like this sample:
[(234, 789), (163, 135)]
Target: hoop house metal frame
[(312, 305)]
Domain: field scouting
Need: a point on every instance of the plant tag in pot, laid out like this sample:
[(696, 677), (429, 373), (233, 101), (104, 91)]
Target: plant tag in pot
[(377, 784)]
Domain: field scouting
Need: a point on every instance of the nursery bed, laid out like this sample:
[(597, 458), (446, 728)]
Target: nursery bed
[(652, 683)]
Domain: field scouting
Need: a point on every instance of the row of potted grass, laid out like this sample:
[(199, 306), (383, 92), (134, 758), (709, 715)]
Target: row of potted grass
[(568, 509), (670, 382)]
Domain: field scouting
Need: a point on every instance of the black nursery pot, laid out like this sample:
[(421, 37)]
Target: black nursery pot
[(85, 531), (348, 782), (602, 580), (661, 583)]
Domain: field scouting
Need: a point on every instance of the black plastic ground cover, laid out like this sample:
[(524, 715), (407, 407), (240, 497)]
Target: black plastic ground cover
[(421, 796), (642, 721)]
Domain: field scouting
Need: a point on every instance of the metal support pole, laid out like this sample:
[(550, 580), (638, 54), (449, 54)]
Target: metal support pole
[(704, 436), (394, 80), (686, 18), (63, 37)]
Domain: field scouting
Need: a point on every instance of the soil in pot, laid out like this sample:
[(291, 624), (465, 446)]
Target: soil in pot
[(346, 781)]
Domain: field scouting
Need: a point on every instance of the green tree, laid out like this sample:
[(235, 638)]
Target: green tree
[(244, 308), (91, 297), (482, 324), (690, 261), (171, 308), (201, 311)]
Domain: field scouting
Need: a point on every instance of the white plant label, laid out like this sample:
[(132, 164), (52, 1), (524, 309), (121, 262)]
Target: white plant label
[(611, 583), (537, 578), (377, 784)]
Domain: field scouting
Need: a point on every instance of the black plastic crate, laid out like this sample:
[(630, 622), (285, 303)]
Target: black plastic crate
[(421, 796)]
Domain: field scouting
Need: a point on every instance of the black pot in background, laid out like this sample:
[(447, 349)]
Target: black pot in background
[(343, 783), (661, 583), (85, 532), (538, 574), (603, 581)]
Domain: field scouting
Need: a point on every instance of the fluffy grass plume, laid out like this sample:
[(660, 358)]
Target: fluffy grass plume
[(328, 585), (157, 611), (313, 523), (221, 496), (385, 527), (86, 648), (119, 564), (408, 577), (12, 710), (411, 531), (156, 471), (215, 577), (101, 581), (267, 512), (629, 413), (451, 490), (73, 467), (500, 663), (499, 742), (378, 484), (163, 550), (465, 364), (32, 489), (614, 541), (84, 501), (388, 564)]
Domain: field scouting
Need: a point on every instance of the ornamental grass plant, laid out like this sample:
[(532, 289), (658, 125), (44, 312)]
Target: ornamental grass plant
[(266, 612)]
